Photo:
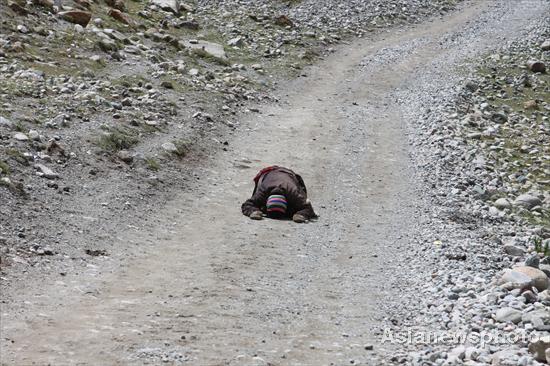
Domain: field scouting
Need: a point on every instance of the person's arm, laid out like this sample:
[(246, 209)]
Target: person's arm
[(302, 206), (306, 211), (254, 203)]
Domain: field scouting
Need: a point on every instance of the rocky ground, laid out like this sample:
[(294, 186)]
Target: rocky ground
[(103, 119), (482, 150)]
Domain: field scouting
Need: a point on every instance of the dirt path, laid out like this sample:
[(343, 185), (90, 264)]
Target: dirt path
[(207, 286)]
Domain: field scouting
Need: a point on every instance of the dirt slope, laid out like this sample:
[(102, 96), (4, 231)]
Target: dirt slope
[(203, 285)]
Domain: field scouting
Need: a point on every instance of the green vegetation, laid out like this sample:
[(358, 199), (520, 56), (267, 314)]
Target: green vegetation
[(4, 168), (118, 138), (152, 164), (182, 148)]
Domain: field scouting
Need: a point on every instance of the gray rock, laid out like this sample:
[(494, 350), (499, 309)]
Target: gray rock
[(34, 135), (235, 42), (533, 261), (169, 147), (107, 45), (168, 5), (538, 348), (5, 122), (545, 46), (537, 316), (45, 172), (211, 48), (513, 250), (502, 203), (528, 201), (508, 315)]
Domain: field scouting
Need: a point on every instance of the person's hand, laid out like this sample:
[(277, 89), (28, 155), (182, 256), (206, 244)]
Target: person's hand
[(299, 218), (256, 215)]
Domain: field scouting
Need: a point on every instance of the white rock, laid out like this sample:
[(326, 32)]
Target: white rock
[(169, 147), (211, 48), (45, 172), (21, 137), (168, 5), (502, 203)]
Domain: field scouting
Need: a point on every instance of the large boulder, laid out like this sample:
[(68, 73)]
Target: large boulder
[(210, 48), (76, 16), (528, 201), (168, 5), (522, 277)]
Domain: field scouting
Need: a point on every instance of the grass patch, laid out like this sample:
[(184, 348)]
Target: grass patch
[(182, 148), (118, 138), (152, 164), (4, 167)]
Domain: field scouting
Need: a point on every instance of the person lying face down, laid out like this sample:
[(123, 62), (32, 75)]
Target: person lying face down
[(278, 193)]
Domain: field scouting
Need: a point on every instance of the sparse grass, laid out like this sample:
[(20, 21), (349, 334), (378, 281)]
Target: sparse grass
[(4, 168), (118, 138), (17, 156), (152, 164), (182, 148)]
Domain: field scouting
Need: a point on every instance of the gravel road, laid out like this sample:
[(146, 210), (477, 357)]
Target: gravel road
[(204, 285)]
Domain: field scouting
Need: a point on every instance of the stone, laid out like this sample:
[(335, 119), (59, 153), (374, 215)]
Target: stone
[(538, 277), (45, 172), (545, 46), (167, 84), (533, 261), (211, 48), (536, 66), (169, 147), (44, 3), (511, 279), (530, 297), (18, 9), (125, 156), (527, 201), (513, 250), (508, 315), (189, 24), (168, 5), (538, 348), (76, 16), (502, 203), (5, 122), (235, 42), (120, 16), (34, 135), (107, 45), (21, 137), (537, 316), (531, 104), (283, 21)]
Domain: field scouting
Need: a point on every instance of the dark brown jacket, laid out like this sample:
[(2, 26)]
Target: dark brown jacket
[(279, 180)]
